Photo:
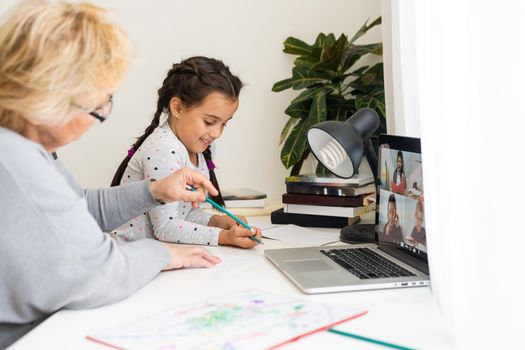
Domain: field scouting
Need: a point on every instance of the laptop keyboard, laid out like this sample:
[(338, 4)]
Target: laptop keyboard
[(365, 263)]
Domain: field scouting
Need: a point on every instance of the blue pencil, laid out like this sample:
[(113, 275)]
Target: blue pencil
[(225, 211), (370, 340)]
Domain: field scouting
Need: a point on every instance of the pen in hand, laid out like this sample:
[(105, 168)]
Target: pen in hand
[(227, 212)]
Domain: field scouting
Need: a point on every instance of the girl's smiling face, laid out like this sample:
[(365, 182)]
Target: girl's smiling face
[(199, 125)]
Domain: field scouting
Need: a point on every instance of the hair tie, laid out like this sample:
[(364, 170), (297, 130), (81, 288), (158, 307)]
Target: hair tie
[(131, 152), (210, 164)]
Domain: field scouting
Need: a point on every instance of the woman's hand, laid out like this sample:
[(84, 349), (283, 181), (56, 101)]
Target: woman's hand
[(173, 187), (189, 257), (238, 236)]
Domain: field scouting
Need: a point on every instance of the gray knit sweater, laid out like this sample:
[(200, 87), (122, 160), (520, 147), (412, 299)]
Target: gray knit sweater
[(54, 253)]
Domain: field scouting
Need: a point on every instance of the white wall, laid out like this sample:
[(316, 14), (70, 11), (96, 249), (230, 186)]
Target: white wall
[(248, 36)]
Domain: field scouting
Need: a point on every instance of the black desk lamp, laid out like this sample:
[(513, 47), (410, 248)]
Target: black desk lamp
[(339, 146)]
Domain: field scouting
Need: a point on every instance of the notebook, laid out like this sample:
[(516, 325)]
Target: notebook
[(397, 259)]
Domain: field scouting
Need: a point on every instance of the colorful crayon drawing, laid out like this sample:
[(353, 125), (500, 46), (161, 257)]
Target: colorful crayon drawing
[(247, 320)]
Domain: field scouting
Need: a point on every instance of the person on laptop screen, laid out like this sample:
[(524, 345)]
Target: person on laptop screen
[(392, 228), (399, 181), (418, 235)]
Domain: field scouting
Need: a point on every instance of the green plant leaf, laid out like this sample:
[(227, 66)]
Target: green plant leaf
[(338, 113), (369, 81), (282, 85), (301, 78), (354, 52), (365, 28), (305, 78), (331, 55), (295, 46), (359, 71), (319, 41), (339, 108), (295, 144), (306, 94), (317, 111), (330, 39), (286, 130), (298, 110), (305, 61)]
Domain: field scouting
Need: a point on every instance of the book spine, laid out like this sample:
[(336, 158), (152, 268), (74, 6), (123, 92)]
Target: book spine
[(345, 191), (322, 210), (320, 190), (325, 184), (280, 217), (348, 201)]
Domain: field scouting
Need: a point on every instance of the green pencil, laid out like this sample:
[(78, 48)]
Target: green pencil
[(370, 340), (227, 212)]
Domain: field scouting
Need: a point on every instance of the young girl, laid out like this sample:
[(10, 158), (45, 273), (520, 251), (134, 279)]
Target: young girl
[(199, 96), (399, 181)]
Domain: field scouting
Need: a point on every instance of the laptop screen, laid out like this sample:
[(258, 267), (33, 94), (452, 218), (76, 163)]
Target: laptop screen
[(400, 217)]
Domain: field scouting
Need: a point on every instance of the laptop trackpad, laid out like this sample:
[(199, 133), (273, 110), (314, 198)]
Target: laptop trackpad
[(311, 265)]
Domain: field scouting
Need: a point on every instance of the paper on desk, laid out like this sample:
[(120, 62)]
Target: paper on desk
[(232, 263), (246, 320), (298, 234)]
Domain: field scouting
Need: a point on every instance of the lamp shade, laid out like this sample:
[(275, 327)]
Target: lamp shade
[(339, 145)]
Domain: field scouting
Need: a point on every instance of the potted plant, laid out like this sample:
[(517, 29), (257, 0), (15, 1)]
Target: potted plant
[(333, 88)]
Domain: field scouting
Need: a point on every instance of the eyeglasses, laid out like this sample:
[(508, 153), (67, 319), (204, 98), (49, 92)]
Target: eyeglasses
[(101, 113)]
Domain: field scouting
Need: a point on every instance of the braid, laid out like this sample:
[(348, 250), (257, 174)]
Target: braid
[(162, 104), (218, 198), (122, 167)]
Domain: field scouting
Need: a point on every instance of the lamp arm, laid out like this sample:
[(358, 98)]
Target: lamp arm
[(371, 156)]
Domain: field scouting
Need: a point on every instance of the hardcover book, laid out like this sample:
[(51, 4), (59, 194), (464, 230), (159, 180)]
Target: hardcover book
[(312, 199), (340, 191), (356, 180), (280, 217), (323, 210)]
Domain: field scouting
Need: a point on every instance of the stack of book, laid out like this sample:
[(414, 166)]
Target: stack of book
[(317, 201)]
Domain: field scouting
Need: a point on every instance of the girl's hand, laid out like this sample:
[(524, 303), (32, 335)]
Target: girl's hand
[(173, 187), (189, 257), (224, 221), (238, 236)]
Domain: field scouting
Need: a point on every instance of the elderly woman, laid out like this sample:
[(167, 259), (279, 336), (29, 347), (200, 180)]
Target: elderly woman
[(59, 66)]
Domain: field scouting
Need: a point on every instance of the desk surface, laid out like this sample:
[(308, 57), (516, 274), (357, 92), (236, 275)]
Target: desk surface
[(408, 316)]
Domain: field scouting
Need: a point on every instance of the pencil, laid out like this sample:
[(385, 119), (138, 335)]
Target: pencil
[(370, 340), (227, 212)]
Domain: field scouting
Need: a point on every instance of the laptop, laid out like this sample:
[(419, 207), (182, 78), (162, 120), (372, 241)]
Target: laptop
[(397, 259)]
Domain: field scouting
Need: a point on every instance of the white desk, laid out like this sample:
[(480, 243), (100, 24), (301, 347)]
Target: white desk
[(408, 316)]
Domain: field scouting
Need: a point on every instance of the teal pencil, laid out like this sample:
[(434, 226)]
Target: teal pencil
[(227, 212), (370, 340)]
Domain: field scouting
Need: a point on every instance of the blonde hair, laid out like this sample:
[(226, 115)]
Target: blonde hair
[(51, 54)]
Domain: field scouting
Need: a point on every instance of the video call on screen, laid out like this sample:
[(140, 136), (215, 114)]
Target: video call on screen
[(401, 201)]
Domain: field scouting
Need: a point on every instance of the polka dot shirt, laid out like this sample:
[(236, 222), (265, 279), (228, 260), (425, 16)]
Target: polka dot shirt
[(161, 154)]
